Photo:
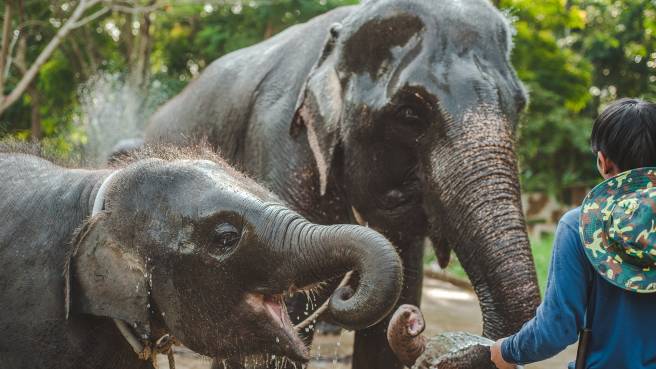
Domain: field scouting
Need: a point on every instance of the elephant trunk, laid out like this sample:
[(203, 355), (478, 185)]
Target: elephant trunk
[(311, 253), (478, 209), (501, 269), (404, 334)]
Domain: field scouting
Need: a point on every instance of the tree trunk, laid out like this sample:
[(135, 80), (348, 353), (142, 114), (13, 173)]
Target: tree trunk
[(268, 31), (35, 116), (81, 60), (4, 49), (141, 50), (73, 22), (90, 51)]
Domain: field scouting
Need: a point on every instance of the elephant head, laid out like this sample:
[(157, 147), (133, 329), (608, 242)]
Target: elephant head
[(413, 104), (196, 249)]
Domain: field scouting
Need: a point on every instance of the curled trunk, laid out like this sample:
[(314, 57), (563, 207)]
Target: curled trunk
[(313, 253)]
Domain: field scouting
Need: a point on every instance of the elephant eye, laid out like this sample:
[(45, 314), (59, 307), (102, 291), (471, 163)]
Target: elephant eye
[(226, 236), (408, 113)]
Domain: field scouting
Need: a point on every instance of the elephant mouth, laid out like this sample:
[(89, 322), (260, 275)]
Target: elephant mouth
[(285, 339), (276, 308)]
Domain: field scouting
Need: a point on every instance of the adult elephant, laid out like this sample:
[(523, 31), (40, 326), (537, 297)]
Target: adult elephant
[(400, 114)]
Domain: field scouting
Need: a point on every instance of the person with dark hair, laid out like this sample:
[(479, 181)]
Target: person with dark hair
[(625, 133), (602, 277)]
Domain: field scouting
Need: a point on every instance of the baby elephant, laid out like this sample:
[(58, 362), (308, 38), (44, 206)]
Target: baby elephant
[(96, 265)]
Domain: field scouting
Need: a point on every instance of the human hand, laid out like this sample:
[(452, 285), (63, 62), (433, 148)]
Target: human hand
[(497, 359)]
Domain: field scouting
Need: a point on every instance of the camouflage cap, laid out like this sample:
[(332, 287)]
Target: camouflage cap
[(618, 229)]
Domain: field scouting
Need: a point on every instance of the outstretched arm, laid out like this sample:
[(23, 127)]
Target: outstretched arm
[(560, 316)]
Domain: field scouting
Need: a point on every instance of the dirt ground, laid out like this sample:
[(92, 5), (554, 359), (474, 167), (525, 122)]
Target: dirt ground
[(445, 308)]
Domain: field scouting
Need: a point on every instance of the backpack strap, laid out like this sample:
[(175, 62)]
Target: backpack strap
[(586, 333)]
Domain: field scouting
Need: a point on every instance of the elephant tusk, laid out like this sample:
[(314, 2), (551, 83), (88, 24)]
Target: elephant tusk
[(358, 217), (129, 336)]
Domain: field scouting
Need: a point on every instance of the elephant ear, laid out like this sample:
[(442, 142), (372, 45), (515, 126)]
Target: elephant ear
[(104, 279), (319, 109)]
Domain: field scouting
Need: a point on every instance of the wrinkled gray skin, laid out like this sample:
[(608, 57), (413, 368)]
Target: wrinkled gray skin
[(185, 246), (402, 110), (404, 334), (448, 350), (456, 350)]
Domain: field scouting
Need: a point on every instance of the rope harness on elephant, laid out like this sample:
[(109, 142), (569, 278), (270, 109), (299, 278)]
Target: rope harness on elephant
[(146, 349)]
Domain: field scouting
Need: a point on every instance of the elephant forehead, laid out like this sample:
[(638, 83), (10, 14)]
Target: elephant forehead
[(422, 41), (469, 28), (369, 47), (227, 181), (453, 15)]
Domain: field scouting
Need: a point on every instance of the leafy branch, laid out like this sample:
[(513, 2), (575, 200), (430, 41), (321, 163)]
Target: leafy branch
[(78, 18)]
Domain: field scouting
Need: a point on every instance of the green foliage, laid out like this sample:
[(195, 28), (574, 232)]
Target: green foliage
[(192, 36), (575, 56), (620, 40), (553, 133)]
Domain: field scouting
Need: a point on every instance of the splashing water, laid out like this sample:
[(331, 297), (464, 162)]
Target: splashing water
[(337, 346), (112, 109)]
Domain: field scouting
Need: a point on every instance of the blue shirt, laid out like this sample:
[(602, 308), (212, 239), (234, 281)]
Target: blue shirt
[(623, 325)]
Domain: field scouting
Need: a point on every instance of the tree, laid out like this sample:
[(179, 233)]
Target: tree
[(620, 41), (553, 131), (65, 19), (74, 21)]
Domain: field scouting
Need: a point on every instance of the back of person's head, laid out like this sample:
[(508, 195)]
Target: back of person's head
[(625, 132)]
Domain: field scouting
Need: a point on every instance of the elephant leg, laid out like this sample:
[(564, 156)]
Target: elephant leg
[(371, 350)]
